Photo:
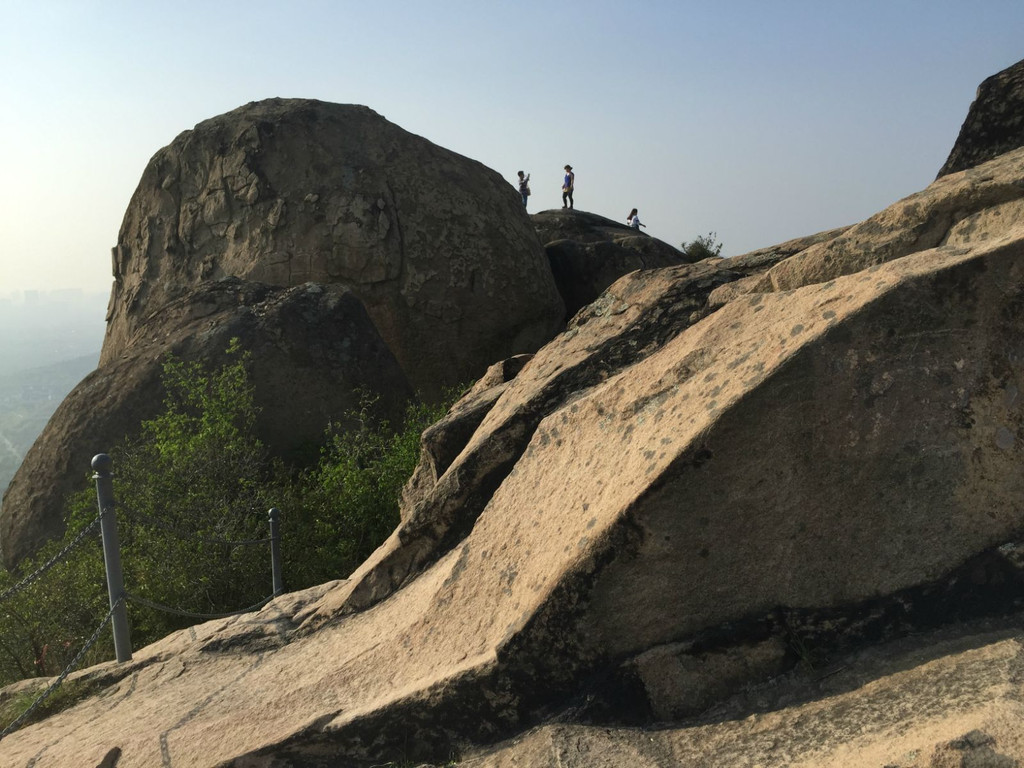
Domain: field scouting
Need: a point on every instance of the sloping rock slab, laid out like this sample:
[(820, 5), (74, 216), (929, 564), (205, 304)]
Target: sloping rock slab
[(806, 448), (455, 480), (961, 208), (945, 703)]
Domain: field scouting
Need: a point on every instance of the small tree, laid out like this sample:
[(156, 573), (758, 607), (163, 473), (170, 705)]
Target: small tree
[(349, 503), (702, 247)]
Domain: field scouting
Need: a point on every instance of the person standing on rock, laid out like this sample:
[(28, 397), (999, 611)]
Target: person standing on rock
[(524, 187), (634, 220), (567, 186)]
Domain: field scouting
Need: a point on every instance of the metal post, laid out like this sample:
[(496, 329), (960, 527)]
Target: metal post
[(275, 550), (101, 463)]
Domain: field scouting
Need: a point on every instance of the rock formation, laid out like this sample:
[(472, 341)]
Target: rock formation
[(289, 191), (770, 504), (994, 124), (588, 253), (676, 498), (275, 195)]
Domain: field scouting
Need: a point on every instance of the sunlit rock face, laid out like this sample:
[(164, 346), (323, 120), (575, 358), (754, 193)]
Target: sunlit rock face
[(672, 500), (748, 503)]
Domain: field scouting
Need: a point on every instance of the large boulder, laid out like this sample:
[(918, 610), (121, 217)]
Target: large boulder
[(994, 123), (588, 253), (280, 194), (289, 191), (662, 506), (313, 350)]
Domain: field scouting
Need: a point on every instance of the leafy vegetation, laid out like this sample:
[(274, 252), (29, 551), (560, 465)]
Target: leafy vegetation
[(195, 479), (702, 247), (348, 504), (68, 694)]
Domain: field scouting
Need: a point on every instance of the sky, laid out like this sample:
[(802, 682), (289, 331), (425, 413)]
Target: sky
[(757, 121)]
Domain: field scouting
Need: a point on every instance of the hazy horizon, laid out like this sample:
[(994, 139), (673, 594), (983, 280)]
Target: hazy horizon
[(40, 328), (759, 122), (49, 341)]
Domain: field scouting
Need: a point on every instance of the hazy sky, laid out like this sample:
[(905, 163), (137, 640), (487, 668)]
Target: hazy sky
[(761, 121)]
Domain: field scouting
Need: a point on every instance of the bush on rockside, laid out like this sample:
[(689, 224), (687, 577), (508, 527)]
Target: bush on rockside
[(195, 479), (702, 247)]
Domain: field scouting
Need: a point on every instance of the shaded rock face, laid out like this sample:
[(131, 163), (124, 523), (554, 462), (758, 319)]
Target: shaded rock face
[(286, 192), (588, 253), (994, 123), (313, 348)]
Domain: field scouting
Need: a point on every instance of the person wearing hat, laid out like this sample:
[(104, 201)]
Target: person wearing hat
[(567, 185)]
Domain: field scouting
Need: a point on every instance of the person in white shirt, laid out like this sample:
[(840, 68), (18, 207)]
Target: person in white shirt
[(634, 220)]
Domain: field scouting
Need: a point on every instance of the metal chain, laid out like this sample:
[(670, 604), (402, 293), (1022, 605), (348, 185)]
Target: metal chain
[(190, 615), (60, 678), (140, 517), (11, 591)]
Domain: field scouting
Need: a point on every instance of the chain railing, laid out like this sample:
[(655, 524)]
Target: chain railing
[(153, 522), (119, 597), (111, 554), (189, 614), (71, 667), (42, 569)]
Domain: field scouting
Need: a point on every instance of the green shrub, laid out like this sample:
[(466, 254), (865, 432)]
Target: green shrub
[(348, 504), (44, 625), (702, 247), (194, 478), (69, 693)]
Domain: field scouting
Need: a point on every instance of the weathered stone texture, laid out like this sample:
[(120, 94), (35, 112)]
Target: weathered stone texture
[(289, 191), (715, 475), (809, 449), (978, 204), (284, 193)]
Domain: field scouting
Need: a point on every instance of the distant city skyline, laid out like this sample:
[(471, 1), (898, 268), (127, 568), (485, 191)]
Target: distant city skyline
[(760, 122)]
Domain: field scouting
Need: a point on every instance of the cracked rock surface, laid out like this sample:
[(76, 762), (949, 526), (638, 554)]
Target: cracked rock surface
[(753, 512), (290, 191), (673, 502)]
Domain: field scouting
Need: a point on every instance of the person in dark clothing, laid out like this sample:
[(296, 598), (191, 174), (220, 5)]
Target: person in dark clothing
[(567, 186), (524, 187)]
